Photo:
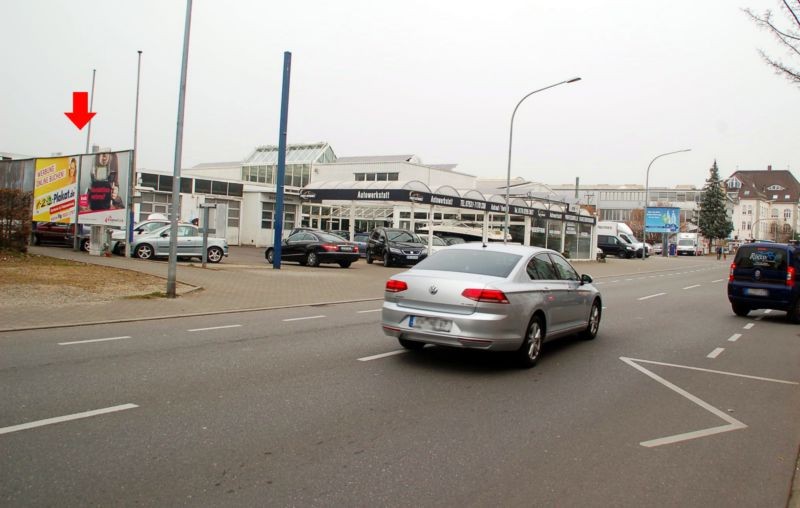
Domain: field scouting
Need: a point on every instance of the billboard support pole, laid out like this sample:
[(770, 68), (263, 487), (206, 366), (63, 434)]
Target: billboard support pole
[(279, 205), (76, 240), (132, 173)]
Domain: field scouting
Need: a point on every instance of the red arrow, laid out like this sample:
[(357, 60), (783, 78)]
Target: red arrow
[(80, 114)]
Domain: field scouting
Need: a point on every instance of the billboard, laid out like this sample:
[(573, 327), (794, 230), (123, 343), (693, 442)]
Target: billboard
[(55, 189), (97, 184), (663, 220)]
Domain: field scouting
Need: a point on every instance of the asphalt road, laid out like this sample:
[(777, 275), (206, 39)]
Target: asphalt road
[(677, 403)]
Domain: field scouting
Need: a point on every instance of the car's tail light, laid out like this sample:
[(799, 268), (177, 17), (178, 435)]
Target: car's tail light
[(355, 248), (485, 295), (329, 247), (790, 276), (395, 286), (730, 274)]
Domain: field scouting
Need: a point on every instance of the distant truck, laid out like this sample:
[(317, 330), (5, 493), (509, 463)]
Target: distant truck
[(625, 233), (689, 245)]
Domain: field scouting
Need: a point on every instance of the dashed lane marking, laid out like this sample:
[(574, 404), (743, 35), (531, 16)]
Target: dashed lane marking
[(748, 326), (213, 328), (383, 355), (66, 418), (302, 318), (93, 340), (365, 311), (734, 337), (651, 296), (692, 287), (715, 353)]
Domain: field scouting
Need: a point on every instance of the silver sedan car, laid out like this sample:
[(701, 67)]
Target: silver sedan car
[(190, 244), (493, 297)]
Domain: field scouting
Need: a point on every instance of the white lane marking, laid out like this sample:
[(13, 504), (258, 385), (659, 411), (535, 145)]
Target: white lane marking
[(383, 355), (733, 423), (213, 328), (59, 419), (626, 280), (734, 337), (718, 280), (692, 287), (615, 280), (651, 296), (365, 311), (93, 340), (715, 353), (302, 318), (604, 308), (767, 311), (748, 326)]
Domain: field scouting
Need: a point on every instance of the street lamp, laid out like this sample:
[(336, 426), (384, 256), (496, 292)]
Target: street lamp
[(647, 199), (510, 138)]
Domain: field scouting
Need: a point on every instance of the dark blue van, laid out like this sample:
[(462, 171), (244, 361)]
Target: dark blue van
[(764, 276)]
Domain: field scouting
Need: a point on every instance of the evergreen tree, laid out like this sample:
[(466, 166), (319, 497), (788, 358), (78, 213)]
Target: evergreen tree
[(713, 221)]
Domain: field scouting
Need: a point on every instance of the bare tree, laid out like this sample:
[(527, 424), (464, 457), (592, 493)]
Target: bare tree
[(788, 37)]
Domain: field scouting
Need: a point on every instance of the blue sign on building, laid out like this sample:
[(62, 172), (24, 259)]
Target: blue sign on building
[(663, 220)]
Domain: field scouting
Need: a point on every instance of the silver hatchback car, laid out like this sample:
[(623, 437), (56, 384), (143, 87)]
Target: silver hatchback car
[(190, 244), (494, 297)]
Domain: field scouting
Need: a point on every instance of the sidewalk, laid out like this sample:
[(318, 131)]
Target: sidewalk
[(245, 282)]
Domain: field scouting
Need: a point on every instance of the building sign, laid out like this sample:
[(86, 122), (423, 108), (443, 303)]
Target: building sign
[(427, 198)]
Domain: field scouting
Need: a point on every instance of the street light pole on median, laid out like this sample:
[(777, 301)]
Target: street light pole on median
[(510, 138), (647, 199)]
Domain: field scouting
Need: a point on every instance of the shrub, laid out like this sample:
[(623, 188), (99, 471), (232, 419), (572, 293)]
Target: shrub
[(15, 219)]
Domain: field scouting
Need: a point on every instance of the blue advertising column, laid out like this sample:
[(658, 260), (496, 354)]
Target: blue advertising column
[(287, 71)]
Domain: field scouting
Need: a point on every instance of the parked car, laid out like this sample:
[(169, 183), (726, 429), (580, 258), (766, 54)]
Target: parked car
[(764, 275), (118, 236), (494, 297), (658, 249), (190, 244), (615, 246), (453, 240), (361, 239), (313, 248), (437, 243), (395, 247), (59, 233)]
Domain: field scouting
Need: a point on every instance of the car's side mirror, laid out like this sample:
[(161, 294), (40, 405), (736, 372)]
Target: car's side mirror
[(586, 279)]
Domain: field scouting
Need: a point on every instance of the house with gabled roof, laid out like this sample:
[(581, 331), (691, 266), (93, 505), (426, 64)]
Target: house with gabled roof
[(765, 204)]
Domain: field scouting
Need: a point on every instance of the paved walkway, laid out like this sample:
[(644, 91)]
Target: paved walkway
[(245, 282)]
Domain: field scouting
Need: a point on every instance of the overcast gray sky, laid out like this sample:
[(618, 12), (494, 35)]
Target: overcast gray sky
[(435, 78)]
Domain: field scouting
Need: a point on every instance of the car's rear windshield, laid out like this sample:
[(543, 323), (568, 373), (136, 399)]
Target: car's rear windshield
[(495, 264), (761, 257)]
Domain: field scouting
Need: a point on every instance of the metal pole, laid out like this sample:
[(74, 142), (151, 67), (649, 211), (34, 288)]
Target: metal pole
[(647, 198), (176, 174), (132, 175), (91, 108), (287, 72), (76, 241), (510, 139)]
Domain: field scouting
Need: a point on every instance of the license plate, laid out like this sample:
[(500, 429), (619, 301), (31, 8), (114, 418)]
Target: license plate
[(346, 249), (412, 257), (429, 323), (756, 292)]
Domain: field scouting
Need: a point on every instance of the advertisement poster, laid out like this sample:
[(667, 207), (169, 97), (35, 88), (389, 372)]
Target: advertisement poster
[(55, 189), (663, 220), (104, 188)]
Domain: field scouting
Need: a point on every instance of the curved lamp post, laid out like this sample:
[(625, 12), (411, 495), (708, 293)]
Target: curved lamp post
[(647, 199), (510, 138)]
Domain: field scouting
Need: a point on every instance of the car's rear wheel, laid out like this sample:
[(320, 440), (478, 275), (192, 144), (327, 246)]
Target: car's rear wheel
[(215, 254), (413, 345), (345, 264), (270, 255), (144, 251), (312, 259), (594, 322), (85, 244), (369, 258), (387, 260), (37, 240), (531, 347), (740, 310), (622, 254)]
